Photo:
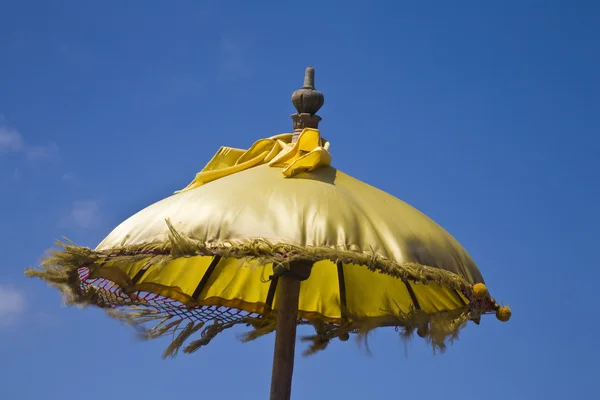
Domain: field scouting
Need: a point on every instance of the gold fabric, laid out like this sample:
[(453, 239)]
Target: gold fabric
[(207, 254), (323, 208), (308, 153), (265, 193)]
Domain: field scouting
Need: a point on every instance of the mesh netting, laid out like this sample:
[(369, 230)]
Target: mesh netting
[(110, 295), (172, 316)]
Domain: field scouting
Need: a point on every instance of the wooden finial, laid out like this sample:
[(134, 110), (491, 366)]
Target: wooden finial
[(307, 102)]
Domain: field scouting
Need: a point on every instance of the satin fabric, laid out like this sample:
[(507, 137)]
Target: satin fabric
[(287, 193), (308, 153), (324, 207)]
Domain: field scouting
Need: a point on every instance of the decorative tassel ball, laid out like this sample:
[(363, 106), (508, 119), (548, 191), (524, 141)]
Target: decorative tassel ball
[(423, 331), (503, 313), (344, 336), (480, 291)]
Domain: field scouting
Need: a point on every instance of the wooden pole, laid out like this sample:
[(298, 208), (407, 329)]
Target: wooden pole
[(307, 102), (288, 294)]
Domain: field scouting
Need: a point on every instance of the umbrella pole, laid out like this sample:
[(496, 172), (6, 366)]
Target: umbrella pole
[(285, 337), (307, 102), (288, 293)]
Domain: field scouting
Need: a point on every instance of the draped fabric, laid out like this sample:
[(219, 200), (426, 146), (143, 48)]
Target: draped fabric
[(241, 196), (208, 253)]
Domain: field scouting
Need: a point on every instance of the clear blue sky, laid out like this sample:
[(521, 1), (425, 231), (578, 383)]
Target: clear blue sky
[(485, 117)]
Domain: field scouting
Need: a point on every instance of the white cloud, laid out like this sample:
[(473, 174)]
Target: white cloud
[(12, 305), (11, 140), (85, 213), (48, 152)]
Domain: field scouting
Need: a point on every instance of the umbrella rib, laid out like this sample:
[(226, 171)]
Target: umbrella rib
[(271, 292), (342, 286), (459, 297), (140, 273), (206, 276), (412, 294)]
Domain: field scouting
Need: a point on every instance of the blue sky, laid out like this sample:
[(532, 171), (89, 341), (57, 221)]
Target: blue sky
[(484, 115)]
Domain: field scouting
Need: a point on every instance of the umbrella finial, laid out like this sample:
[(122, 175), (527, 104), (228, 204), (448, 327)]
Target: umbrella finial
[(307, 101)]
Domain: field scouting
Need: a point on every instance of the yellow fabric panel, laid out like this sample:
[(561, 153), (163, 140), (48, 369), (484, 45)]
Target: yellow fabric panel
[(233, 279), (223, 158), (183, 273), (304, 155), (130, 268), (245, 285), (278, 151), (320, 292), (435, 298), (233, 282), (371, 294)]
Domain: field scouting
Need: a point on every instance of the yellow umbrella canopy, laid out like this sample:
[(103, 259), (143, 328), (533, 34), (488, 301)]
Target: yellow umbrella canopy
[(210, 256)]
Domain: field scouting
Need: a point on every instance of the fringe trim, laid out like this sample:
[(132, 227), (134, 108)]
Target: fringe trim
[(61, 269)]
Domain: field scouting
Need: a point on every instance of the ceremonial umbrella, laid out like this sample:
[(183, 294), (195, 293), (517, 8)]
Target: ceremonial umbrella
[(272, 237)]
